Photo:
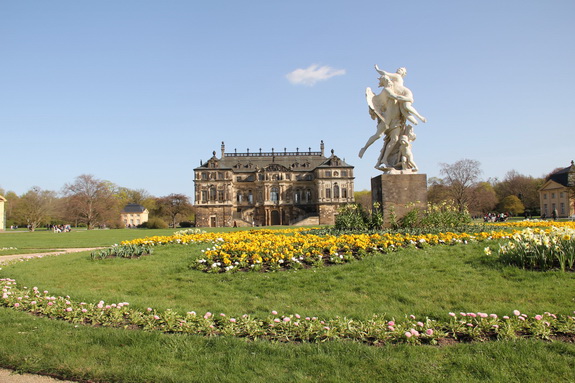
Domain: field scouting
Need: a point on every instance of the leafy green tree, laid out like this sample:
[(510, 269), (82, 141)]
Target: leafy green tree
[(174, 207), (363, 198), (526, 188), (35, 207), (127, 196), (511, 204)]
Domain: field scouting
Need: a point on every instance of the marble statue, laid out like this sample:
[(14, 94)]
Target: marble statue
[(392, 109)]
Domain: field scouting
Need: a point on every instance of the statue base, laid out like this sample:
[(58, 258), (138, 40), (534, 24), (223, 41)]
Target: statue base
[(398, 194)]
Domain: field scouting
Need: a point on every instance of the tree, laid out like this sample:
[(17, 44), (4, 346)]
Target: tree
[(91, 201), (511, 204), (174, 207), (138, 196), (483, 199), (10, 207), (437, 191), (35, 207), (363, 198), (460, 178), (526, 188)]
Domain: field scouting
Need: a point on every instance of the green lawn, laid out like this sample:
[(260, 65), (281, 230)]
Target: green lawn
[(428, 282)]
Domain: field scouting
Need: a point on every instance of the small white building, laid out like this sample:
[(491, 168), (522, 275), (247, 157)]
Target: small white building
[(134, 215)]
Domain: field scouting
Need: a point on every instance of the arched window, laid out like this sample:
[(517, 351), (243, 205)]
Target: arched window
[(274, 194), (335, 191), (327, 192), (343, 192), (297, 196), (212, 193)]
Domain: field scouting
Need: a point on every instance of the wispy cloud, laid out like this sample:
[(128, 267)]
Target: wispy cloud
[(313, 74)]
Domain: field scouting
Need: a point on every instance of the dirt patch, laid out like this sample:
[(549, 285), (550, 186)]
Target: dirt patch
[(7, 258)]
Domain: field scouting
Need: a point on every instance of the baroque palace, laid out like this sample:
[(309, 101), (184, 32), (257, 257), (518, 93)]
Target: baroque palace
[(271, 188)]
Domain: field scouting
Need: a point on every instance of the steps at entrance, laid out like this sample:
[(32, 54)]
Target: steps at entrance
[(309, 221)]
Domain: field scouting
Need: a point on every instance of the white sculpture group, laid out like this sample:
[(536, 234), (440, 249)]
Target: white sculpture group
[(392, 109)]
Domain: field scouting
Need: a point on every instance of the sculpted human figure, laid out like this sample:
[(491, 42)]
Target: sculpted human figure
[(392, 108), (401, 93)]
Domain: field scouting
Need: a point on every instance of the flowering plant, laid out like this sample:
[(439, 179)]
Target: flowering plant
[(291, 327)]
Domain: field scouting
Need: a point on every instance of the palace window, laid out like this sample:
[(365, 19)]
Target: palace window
[(336, 191), (327, 193), (274, 194), (297, 196)]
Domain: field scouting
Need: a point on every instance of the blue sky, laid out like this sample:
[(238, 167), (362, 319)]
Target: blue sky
[(138, 92)]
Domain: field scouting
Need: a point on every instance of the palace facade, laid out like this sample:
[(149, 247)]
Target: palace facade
[(271, 188)]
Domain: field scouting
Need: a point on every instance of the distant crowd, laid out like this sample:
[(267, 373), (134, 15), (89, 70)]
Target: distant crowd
[(495, 217)]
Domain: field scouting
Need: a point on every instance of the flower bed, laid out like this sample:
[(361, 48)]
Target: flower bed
[(292, 249), (540, 249), (293, 327)]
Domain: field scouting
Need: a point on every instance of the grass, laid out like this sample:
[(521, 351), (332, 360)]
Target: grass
[(424, 283), (77, 238)]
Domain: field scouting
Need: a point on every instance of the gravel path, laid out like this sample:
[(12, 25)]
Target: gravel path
[(9, 376)]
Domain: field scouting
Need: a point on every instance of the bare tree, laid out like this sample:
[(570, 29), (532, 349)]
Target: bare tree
[(173, 207), (483, 199), (35, 207), (91, 201), (460, 178)]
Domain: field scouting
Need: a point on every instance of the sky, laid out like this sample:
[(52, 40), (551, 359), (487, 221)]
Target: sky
[(138, 92)]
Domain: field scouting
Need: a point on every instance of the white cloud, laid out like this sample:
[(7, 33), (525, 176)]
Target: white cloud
[(313, 74)]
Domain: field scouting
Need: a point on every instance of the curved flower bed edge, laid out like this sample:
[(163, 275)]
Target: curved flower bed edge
[(379, 330)]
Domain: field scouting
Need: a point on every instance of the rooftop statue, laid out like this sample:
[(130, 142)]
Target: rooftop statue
[(392, 109)]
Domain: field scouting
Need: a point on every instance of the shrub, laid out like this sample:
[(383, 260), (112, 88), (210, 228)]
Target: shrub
[(122, 251), (154, 223), (443, 216), (355, 217)]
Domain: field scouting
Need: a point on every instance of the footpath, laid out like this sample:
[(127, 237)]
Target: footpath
[(9, 376)]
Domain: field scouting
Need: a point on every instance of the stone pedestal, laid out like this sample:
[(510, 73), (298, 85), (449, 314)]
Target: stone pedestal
[(399, 193)]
